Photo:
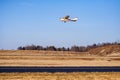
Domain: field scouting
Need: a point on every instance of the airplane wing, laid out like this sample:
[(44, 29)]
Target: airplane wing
[(66, 17)]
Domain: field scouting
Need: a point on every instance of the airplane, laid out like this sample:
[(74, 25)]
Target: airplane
[(67, 19)]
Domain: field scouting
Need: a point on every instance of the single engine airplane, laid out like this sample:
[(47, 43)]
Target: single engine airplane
[(67, 19)]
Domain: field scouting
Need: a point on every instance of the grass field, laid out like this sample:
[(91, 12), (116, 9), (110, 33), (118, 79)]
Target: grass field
[(57, 58), (61, 76), (54, 58)]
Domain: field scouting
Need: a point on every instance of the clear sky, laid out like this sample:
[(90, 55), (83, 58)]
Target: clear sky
[(26, 22)]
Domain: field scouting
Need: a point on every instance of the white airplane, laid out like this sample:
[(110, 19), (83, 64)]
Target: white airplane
[(67, 19)]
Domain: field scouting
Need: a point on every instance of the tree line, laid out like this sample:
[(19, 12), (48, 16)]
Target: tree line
[(72, 48)]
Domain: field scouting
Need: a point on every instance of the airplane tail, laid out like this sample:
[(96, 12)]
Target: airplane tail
[(75, 19)]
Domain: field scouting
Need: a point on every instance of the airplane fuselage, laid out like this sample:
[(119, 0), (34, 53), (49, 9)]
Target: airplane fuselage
[(67, 19), (64, 20)]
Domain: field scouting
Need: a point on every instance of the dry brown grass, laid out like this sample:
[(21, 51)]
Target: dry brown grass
[(61, 76), (54, 58), (106, 50)]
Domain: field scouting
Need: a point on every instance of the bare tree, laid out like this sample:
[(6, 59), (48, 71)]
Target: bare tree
[(75, 48)]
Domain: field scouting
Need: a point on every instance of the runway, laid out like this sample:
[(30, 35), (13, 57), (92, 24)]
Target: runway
[(60, 69)]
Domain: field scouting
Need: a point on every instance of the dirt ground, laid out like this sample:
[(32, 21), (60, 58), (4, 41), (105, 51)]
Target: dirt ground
[(54, 58)]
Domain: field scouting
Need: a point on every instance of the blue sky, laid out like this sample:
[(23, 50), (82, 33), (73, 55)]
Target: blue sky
[(26, 22)]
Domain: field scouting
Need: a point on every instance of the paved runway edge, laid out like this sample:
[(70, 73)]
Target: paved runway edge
[(60, 69)]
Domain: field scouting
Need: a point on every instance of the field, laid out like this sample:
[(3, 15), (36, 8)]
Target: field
[(61, 76), (55, 58)]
